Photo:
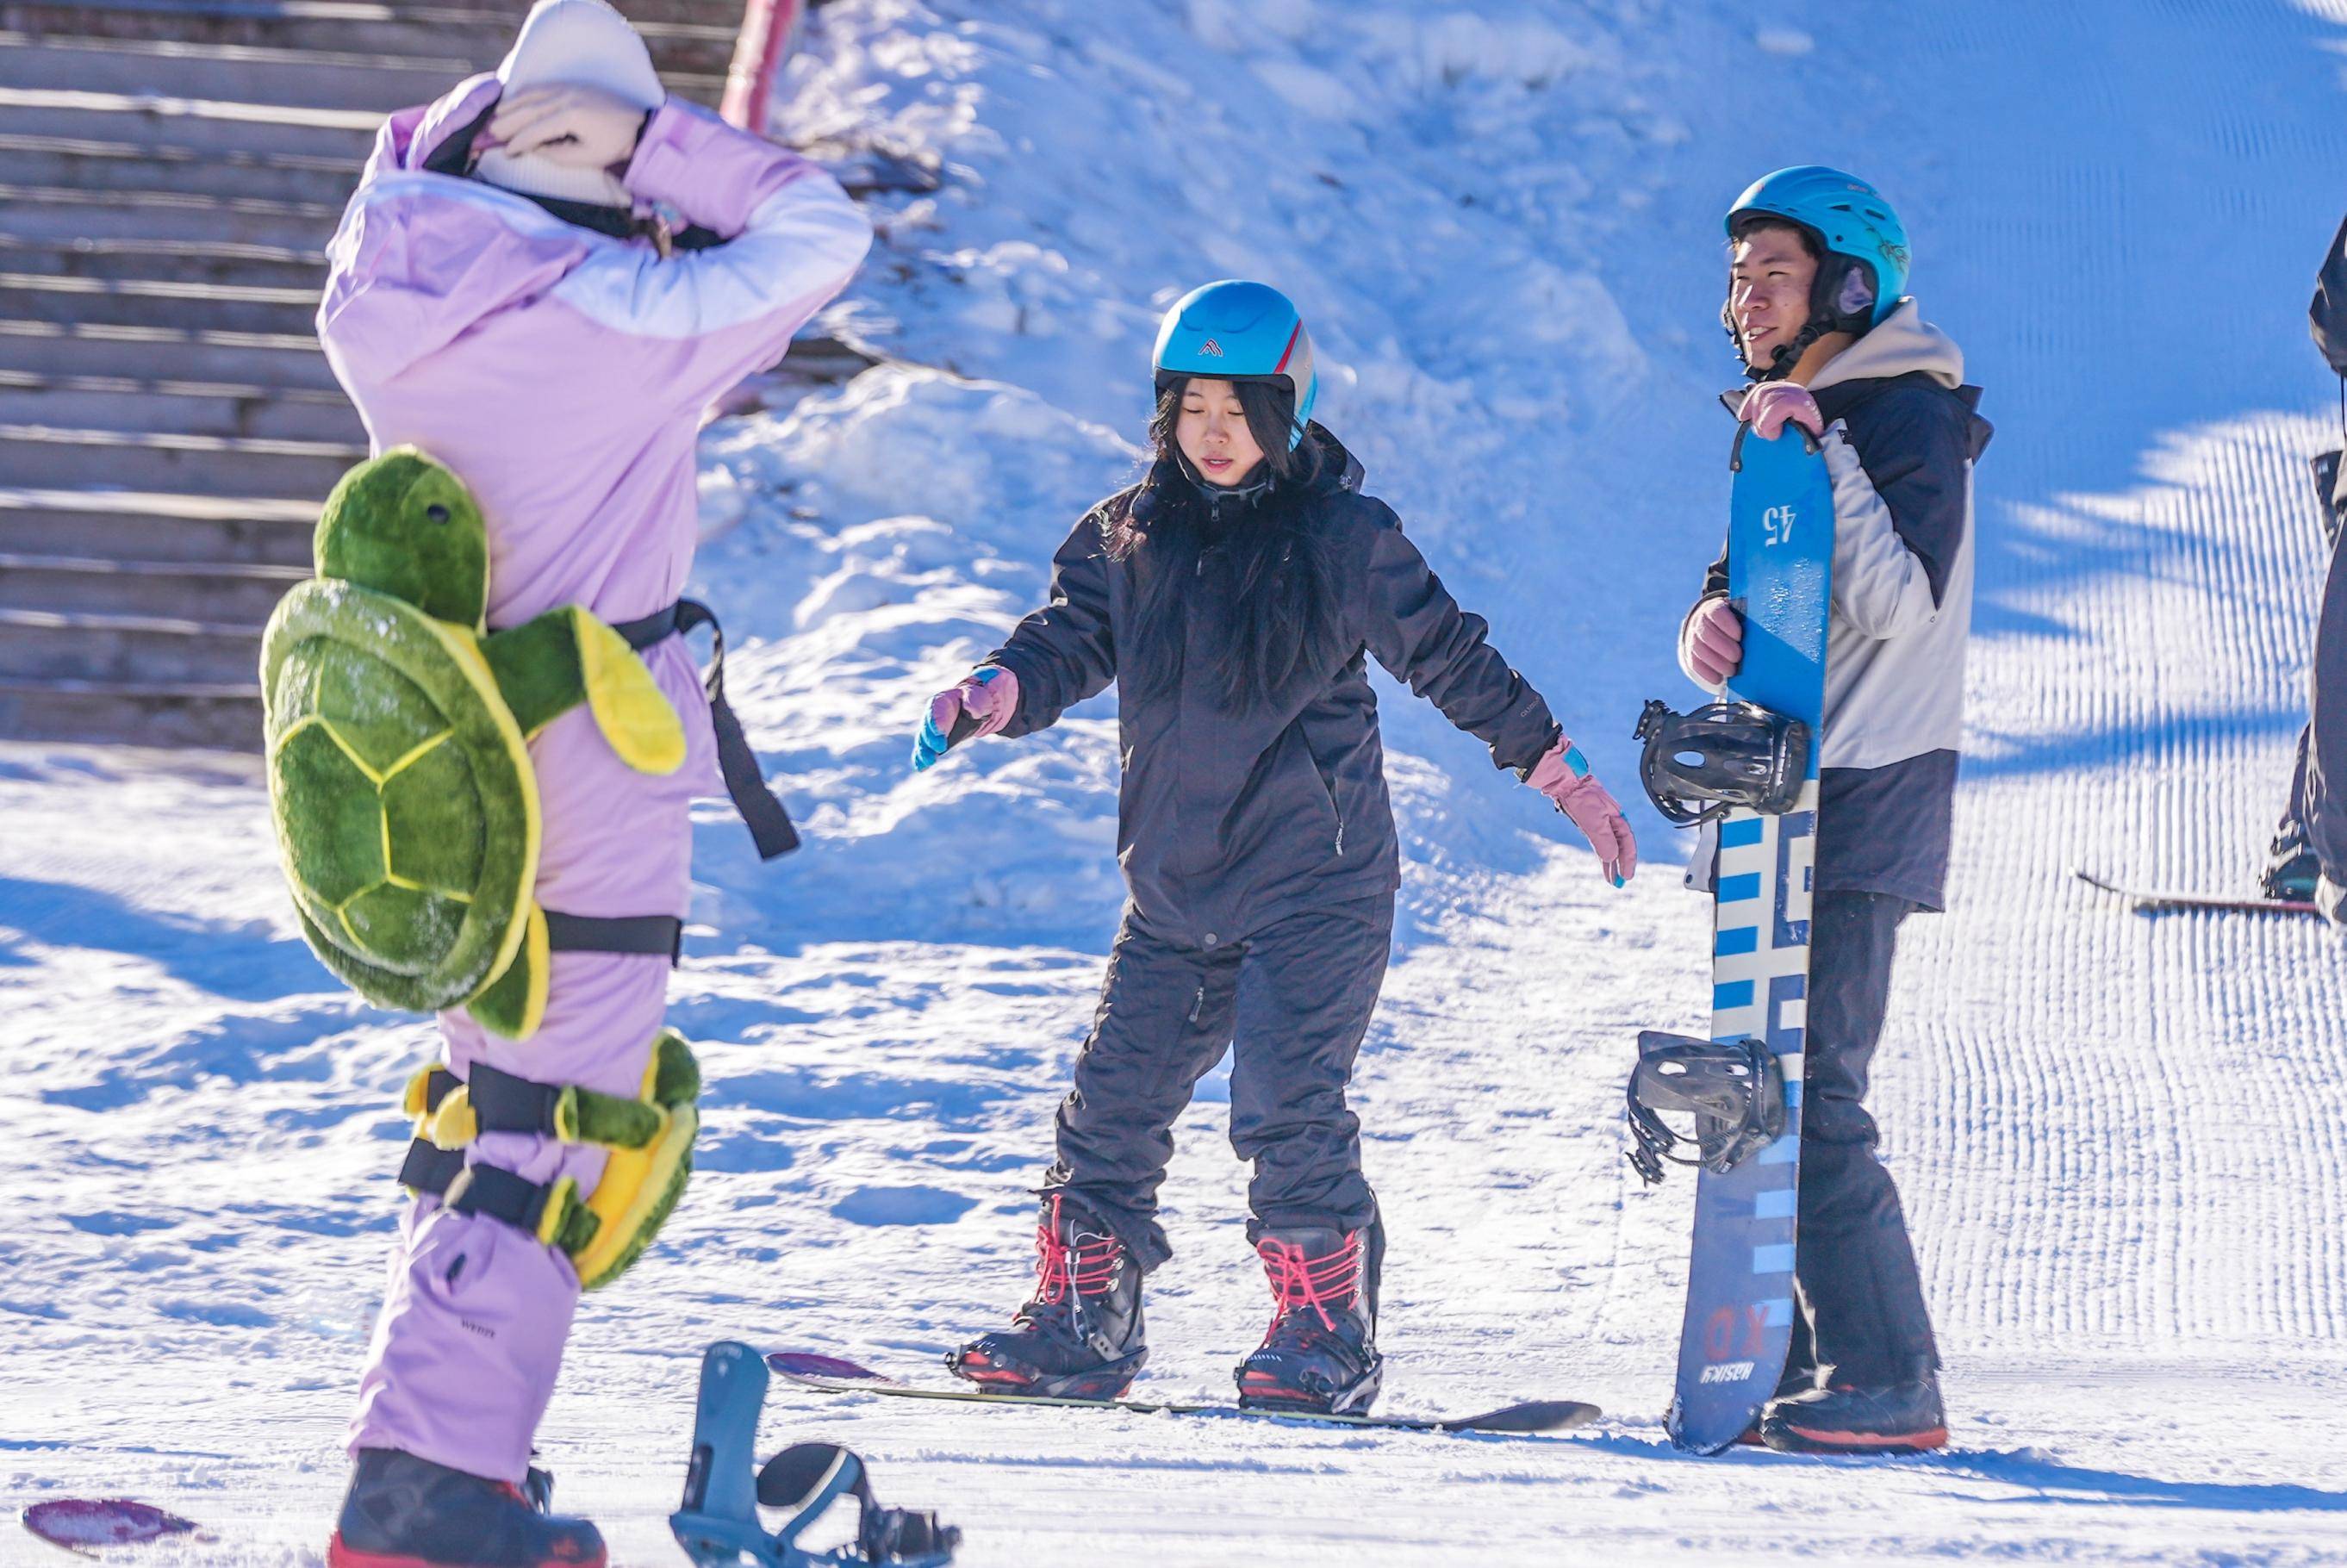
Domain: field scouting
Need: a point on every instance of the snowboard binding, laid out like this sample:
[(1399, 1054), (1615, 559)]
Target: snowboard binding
[(1734, 1088), (718, 1525), (1699, 766)]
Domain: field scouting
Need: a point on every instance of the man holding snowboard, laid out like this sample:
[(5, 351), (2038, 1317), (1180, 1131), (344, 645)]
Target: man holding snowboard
[(1817, 308)]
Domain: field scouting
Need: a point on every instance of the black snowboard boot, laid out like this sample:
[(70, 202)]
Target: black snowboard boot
[(1900, 1417), (1800, 1375), (1080, 1335), (1320, 1353), (2291, 867), (402, 1512)]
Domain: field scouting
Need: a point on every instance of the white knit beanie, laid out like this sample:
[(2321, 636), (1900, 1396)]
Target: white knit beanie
[(586, 43)]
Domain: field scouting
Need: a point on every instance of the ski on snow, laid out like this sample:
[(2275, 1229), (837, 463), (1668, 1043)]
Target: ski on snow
[(833, 1375), (2153, 900)]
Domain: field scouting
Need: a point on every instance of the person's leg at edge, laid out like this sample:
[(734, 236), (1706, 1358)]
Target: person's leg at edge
[(2326, 751)]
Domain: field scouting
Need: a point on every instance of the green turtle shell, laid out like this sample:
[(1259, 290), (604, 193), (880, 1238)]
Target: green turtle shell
[(404, 803)]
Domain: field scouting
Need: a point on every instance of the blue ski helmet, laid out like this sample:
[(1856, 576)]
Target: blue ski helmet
[(1864, 274), (1239, 330)]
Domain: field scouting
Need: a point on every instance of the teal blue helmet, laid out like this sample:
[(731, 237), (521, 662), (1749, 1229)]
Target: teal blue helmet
[(1862, 275), (1239, 330)]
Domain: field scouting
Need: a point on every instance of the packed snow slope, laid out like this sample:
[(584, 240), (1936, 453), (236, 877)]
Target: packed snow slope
[(2123, 1140)]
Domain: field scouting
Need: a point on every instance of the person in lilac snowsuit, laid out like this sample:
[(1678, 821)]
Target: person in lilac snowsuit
[(542, 281)]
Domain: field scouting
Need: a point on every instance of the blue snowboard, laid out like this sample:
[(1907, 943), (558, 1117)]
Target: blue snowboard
[(1739, 1307)]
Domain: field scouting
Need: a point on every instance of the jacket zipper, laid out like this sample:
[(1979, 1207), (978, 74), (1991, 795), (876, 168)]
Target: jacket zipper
[(1328, 788)]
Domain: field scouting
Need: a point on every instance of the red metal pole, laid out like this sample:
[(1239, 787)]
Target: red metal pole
[(766, 27)]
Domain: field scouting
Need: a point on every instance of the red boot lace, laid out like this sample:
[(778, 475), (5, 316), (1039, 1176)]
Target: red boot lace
[(1089, 1267), (1298, 1282)]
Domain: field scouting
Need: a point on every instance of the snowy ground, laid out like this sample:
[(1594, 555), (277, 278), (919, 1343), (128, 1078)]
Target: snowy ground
[(2120, 1139)]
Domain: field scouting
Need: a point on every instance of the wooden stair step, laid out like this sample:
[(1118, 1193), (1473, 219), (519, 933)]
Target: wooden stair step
[(155, 525), (145, 117), (168, 261), (300, 78), (235, 593), (117, 302), (165, 353), (184, 407), (88, 163), (54, 212), (90, 645), (36, 455), (218, 715), (480, 36)]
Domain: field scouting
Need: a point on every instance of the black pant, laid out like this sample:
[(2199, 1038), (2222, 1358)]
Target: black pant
[(1292, 1001), (1861, 1299)]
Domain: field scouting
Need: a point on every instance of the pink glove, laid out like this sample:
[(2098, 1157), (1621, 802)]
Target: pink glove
[(1771, 405), (983, 702), (1712, 646), (1563, 776)]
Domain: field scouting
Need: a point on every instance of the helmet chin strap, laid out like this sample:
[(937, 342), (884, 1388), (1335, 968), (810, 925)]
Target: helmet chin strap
[(1247, 491), (1786, 355)]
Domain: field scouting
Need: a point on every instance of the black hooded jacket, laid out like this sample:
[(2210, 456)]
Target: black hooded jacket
[(1228, 820)]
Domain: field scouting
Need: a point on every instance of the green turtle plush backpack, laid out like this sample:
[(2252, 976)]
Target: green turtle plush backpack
[(405, 805)]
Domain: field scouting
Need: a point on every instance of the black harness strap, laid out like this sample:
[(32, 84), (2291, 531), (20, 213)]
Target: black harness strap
[(502, 1196), (429, 1168), (494, 1191), (658, 934), (770, 825), (501, 1101)]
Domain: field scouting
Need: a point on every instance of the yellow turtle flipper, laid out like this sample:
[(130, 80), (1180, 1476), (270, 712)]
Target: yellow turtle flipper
[(514, 1004)]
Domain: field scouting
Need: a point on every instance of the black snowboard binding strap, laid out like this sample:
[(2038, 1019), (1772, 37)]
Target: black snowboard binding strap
[(718, 1525), (806, 1478), (1699, 766), (1734, 1088)]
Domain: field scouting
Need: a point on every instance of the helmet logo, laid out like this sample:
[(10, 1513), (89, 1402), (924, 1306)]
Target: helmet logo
[(1212, 347)]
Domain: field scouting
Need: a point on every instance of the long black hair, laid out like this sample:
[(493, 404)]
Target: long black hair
[(1253, 556)]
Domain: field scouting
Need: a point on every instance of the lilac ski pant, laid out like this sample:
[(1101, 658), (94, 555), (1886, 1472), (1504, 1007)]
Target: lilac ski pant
[(476, 1314)]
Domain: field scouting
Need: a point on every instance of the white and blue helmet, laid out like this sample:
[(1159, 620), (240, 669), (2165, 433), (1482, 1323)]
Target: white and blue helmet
[(1239, 330)]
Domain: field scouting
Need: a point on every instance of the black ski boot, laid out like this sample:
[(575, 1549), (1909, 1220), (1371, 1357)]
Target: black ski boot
[(1901, 1418), (402, 1512), (1320, 1353), (2292, 868), (1080, 1335)]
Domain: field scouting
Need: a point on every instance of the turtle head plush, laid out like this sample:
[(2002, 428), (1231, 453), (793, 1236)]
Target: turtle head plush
[(402, 525)]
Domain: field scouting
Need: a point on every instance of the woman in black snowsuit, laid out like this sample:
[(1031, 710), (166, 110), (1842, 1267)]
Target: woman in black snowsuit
[(1233, 595)]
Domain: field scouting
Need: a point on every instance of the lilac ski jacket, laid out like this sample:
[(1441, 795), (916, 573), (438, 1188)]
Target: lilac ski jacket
[(561, 372)]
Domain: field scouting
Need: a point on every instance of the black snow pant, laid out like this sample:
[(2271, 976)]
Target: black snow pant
[(1293, 1002), (1862, 1302)]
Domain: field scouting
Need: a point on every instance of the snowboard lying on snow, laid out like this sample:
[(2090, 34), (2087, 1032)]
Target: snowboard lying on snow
[(2152, 901), (85, 1525), (833, 1375)]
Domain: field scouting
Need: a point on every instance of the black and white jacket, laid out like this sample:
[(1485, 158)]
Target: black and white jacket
[(1901, 437)]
